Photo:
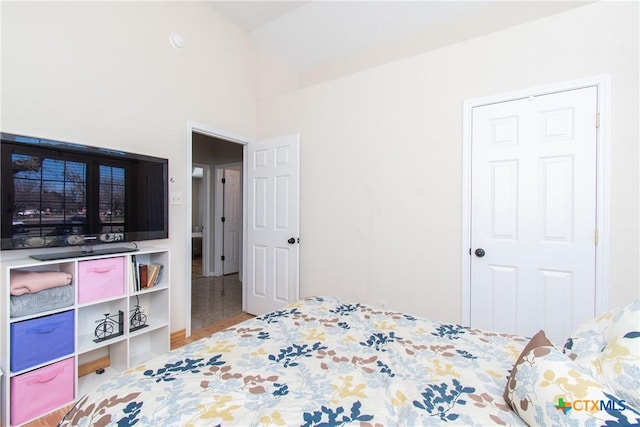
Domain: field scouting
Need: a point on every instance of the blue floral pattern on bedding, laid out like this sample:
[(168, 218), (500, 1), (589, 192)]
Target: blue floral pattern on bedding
[(317, 362)]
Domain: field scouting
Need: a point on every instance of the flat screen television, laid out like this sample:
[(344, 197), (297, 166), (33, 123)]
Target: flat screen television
[(60, 194)]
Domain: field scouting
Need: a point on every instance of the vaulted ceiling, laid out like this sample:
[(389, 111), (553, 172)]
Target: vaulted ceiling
[(306, 34)]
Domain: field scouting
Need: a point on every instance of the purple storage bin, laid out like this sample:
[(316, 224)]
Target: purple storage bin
[(42, 339)]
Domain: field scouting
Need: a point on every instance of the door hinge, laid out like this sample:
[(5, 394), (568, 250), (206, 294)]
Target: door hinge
[(224, 181), (597, 119), (223, 219), (596, 236), (222, 258)]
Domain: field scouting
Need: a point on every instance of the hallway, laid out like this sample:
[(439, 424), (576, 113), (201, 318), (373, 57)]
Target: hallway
[(213, 298)]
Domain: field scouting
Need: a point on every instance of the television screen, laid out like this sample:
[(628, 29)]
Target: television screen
[(62, 194)]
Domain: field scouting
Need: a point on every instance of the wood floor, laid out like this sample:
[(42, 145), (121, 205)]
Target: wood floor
[(53, 418), (214, 327)]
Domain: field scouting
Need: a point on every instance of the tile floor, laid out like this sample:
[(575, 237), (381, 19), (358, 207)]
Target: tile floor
[(213, 298)]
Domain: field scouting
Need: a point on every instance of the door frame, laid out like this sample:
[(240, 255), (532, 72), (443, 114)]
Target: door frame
[(218, 213), (603, 83), (203, 129)]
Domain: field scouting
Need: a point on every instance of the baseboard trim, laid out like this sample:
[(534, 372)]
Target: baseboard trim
[(177, 337)]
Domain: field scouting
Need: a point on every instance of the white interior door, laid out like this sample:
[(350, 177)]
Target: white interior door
[(232, 221), (273, 206), (533, 213)]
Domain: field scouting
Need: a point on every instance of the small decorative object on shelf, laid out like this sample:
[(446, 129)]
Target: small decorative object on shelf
[(107, 327), (137, 319)]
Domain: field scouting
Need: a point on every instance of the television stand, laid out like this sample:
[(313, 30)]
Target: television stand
[(81, 253), (57, 341)]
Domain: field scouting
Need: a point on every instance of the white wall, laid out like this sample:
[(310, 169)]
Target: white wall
[(381, 156), (105, 74), (381, 149)]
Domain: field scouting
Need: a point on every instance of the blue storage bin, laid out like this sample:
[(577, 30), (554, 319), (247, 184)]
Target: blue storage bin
[(42, 339)]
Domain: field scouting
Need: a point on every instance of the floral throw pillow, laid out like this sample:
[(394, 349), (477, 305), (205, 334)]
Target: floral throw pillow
[(547, 388), (537, 341), (608, 347)]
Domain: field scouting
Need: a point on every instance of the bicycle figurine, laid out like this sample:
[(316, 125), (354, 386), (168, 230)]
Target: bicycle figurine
[(137, 319), (107, 327)]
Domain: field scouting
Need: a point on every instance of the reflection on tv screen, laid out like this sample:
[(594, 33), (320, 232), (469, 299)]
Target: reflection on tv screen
[(60, 194)]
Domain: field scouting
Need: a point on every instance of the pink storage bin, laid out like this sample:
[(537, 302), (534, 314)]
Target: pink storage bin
[(37, 392), (100, 278)]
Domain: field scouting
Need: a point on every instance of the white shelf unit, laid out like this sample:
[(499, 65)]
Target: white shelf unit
[(129, 349)]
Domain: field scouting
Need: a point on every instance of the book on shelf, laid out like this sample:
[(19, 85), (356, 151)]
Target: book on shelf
[(135, 275), (153, 275), (142, 271), (144, 275)]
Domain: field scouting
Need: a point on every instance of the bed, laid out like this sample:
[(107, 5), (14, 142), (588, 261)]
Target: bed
[(323, 361)]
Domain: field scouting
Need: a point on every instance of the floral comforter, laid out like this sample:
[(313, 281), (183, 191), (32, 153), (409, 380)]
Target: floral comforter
[(319, 361)]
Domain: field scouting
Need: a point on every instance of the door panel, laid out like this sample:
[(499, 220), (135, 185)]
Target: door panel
[(259, 199), (273, 207), (282, 276), (533, 211), (259, 272), (282, 185), (556, 194), (504, 200)]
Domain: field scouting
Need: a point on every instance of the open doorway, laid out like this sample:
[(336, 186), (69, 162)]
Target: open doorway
[(275, 285), (214, 295)]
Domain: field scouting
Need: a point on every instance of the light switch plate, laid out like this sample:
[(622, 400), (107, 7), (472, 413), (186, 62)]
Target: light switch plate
[(176, 198)]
